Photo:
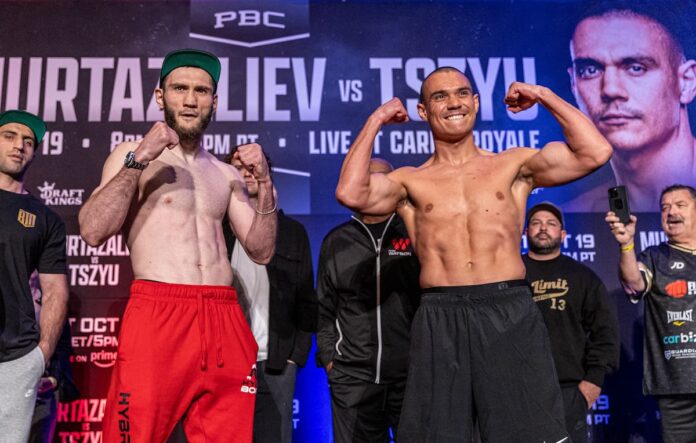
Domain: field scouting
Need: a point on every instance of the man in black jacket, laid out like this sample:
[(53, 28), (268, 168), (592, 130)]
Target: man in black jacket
[(280, 304), (368, 291), (575, 306)]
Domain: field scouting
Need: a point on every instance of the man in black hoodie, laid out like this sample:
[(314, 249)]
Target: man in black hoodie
[(575, 307), (368, 291)]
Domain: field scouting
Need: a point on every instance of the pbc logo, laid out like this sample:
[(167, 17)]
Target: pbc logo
[(249, 383), (249, 23), (250, 17), (680, 288)]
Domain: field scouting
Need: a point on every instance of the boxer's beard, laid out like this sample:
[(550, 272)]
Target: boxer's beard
[(190, 134)]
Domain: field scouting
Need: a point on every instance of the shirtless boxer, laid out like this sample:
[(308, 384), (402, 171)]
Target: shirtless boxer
[(479, 345), (185, 349)]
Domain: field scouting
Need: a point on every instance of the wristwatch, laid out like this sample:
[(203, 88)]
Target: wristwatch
[(129, 162)]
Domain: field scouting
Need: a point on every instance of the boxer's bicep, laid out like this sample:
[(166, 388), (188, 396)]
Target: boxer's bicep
[(384, 195), (553, 165)]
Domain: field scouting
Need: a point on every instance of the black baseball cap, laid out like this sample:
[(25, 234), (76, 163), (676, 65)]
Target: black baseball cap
[(37, 126), (191, 57), (546, 206)]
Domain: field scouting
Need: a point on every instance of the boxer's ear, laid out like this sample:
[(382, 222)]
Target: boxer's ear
[(422, 112), (159, 98), (687, 81)]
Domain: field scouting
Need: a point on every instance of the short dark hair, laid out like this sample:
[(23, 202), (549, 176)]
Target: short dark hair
[(678, 187), (668, 17), (421, 97), (228, 158)]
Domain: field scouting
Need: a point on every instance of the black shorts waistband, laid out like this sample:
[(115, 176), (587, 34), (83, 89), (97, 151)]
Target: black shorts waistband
[(475, 289)]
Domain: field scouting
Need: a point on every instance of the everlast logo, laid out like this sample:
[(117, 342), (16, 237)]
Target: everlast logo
[(544, 290), (26, 219), (679, 317), (123, 419)]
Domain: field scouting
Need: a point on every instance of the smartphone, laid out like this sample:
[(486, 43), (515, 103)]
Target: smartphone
[(618, 203)]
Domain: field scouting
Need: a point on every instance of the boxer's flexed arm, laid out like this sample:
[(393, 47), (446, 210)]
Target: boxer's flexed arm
[(358, 189), (105, 211), (255, 227), (584, 150)]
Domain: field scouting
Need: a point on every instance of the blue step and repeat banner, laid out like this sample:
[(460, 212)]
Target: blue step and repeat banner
[(300, 78)]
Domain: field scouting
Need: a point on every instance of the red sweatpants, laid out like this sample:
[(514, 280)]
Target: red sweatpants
[(184, 351)]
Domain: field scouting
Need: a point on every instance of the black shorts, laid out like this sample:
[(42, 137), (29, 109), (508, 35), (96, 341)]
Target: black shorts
[(481, 353)]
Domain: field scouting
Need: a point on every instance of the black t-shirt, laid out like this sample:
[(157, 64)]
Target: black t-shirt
[(31, 237), (670, 332), (377, 229), (576, 309)]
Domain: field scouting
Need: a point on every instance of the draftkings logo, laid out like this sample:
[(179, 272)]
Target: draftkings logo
[(60, 197), (678, 318), (399, 246), (680, 288), (26, 219), (249, 23), (249, 383)]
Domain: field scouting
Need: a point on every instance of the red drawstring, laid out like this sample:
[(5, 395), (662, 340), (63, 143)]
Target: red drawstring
[(201, 328), (216, 321)]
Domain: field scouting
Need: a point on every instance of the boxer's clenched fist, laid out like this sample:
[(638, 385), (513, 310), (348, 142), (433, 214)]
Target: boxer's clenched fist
[(159, 137), (392, 111), (252, 159)]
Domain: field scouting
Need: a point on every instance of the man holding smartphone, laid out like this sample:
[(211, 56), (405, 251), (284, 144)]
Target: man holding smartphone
[(665, 276)]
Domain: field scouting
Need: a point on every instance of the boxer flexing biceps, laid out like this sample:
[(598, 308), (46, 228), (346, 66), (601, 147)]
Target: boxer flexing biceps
[(464, 211)]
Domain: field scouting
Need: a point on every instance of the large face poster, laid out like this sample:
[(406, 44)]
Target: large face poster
[(301, 77)]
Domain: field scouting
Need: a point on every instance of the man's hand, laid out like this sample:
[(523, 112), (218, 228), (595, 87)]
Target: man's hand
[(329, 367), (590, 391), (252, 159), (159, 137), (392, 111), (521, 96), (622, 233), (47, 384)]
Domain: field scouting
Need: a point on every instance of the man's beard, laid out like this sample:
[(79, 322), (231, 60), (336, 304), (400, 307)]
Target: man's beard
[(545, 248), (192, 134)]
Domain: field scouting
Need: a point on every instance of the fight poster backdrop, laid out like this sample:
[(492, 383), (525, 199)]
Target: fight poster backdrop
[(300, 77)]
